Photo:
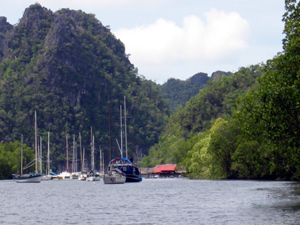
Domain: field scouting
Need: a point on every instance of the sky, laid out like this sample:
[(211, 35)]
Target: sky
[(179, 38)]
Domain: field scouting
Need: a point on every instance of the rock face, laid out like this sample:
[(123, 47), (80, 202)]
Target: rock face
[(75, 73), (218, 74), (4, 28), (69, 50), (4, 25)]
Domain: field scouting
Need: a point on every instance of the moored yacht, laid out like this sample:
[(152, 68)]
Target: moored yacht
[(64, 175), (130, 170), (75, 175), (30, 177), (123, 164), (27, 178), (93, 176), (115, 176)]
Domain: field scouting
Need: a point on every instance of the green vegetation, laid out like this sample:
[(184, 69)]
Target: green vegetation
[(242, 126), (178, 92), (72, 70), (271, 111), (10, 158), (188, 125)]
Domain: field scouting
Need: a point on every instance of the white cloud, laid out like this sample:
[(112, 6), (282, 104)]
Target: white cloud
[(216, 39)]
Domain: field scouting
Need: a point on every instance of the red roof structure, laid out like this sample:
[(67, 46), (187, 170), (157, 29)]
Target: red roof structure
[(165, 168)]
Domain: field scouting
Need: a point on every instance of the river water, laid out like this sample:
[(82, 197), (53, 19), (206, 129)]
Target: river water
[(152, 201)]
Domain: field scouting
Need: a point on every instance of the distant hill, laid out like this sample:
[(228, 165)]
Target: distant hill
[(74, 72), (178, 92), (218, 74)]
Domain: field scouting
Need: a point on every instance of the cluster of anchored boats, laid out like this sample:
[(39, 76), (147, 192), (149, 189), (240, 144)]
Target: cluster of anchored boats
[(119, 171)]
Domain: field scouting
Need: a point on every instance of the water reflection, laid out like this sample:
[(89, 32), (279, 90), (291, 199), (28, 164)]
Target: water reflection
[(292, 197)]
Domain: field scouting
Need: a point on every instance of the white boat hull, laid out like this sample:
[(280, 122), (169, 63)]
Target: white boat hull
[(64, 175), (28, 179), (97, 178), (93, 178), (89, 179), (47, 177), (114, 179), (82, 176), (75, 175)]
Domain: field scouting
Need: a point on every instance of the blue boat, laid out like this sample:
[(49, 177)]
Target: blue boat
[(130, 169)]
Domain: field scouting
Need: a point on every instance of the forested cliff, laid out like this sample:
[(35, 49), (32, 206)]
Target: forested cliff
[(72, 70)]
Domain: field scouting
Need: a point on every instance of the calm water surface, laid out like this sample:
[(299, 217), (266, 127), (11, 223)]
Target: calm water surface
[(161, 201)]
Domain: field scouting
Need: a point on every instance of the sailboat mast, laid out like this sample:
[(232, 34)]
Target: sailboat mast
[(35, 142), (125, 126), (73, 155), (81, 153), (48, 155), (103, 162), (67, 145), (100, 160), (121, 125), (83, 156), (93, 150), (76, 154), (109, 126), (21, 154), (41, 154)]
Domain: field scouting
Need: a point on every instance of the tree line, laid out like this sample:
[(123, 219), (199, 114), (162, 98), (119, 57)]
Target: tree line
[(242, 126)]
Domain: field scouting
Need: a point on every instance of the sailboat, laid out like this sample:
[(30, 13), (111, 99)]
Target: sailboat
[(49, 174), (92, 175), (75, 174), (31, 177), (130, 170), (83, 173), (65, 174), (123, 164), (114, 176)]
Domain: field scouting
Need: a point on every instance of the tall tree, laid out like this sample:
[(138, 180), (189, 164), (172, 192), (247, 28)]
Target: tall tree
[(272, 110)]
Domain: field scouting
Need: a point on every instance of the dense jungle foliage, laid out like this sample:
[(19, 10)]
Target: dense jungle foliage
[(187, 124), (245, 125), (72, 70), (178, 92)]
